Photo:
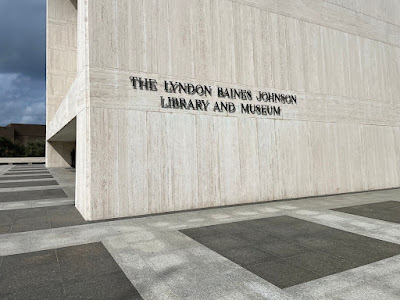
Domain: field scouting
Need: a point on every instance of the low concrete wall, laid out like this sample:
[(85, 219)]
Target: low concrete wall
[(21, 160)]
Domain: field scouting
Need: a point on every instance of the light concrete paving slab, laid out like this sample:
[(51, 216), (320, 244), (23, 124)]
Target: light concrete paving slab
[(16, 205), (4, 169)]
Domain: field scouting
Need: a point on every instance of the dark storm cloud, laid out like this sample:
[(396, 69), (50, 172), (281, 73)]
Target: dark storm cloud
[(23, 37), (22, 61), (22, 99)]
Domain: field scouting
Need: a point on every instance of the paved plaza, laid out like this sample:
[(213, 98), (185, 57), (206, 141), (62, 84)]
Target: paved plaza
[(336, 247)]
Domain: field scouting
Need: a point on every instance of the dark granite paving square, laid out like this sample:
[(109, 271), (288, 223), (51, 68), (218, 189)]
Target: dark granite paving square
[(222, 242), (5, 229), (236, 228), (321, 263), (18, 270), (15, 169), (386, 211), (29, 166), (30, 219), (282, 248), (28, 183), (287, 251), (27, 173), (255, 236), (282, 273), (65, 215), (78, 272), (22, 172), (248, 255), (27, 169), (110, 286), (30, 225), (195, 233), (82, 262), (54, 193), (53, 290), (20, 196), (32, 195), (6, 217), (13, 178)]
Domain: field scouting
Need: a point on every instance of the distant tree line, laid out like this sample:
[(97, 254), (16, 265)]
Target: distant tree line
[(31, 149)]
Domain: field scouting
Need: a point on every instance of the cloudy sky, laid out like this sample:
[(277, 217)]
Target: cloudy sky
[(22, 61)]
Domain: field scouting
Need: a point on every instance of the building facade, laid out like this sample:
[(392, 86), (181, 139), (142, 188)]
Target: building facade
[(185, 104), (24, 133)]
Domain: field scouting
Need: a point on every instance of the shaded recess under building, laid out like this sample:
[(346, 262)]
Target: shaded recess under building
[(24, 133)]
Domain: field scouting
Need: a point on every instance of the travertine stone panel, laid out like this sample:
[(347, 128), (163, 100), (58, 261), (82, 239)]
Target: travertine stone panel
[(226, 160), (74, 101), (294, 40), (243, 24), (172, 162), (67, 67), (396, 136), (385, 10), (268, 163), (229, 161), (209, 187), (246, 45), (60, 66), (104, 178), (292, 139), (320, 166), (204, 43), (132, 162), (249, 160), (61, 49), (333, 16), (183, 161), (82, 35), (160, 179), (83, 200)]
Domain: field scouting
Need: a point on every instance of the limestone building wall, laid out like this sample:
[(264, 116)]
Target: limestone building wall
[(341, 59)]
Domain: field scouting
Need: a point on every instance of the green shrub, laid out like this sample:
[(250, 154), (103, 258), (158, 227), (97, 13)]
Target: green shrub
[(35, 149), (10, 149)]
